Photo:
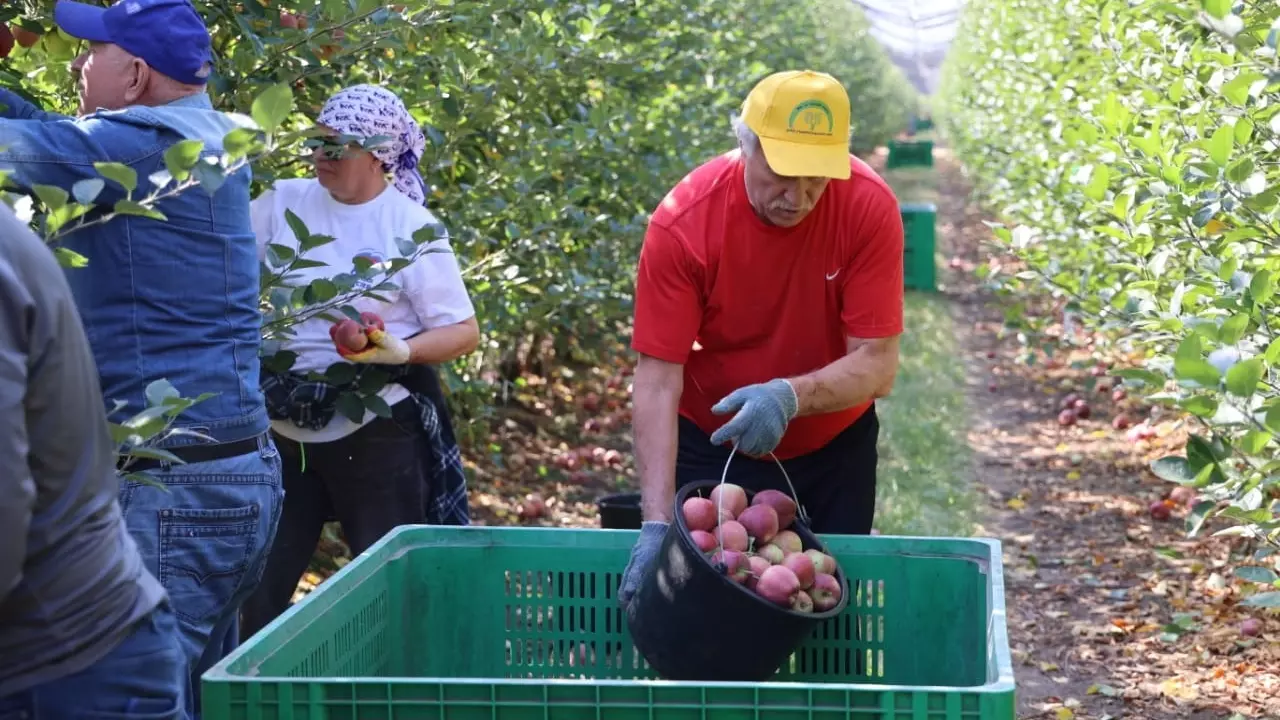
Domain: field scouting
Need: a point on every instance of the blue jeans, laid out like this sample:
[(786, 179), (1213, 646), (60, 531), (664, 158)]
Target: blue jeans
[(206, 536), (143, 678)]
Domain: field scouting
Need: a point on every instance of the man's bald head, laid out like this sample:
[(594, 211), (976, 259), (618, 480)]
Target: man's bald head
[(141, 52), (111, 78)]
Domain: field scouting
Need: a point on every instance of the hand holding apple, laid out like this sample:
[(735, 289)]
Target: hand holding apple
[(368, 341)]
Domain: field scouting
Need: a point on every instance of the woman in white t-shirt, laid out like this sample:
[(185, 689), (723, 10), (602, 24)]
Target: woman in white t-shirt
[(378, 473)]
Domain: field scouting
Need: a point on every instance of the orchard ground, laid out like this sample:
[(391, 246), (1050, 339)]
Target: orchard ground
[(1108, 615)]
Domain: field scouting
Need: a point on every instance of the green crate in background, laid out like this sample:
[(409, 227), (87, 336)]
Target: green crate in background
[(919, 228), (909, 153), (508, 623)]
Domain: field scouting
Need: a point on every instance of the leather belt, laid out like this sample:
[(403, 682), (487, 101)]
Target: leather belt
[(199, 453)]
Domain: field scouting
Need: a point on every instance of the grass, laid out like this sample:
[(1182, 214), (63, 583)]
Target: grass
[(924, 485), (913, 184)]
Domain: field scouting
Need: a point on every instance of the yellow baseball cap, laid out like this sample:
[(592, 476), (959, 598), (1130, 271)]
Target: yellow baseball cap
[(802, 119)]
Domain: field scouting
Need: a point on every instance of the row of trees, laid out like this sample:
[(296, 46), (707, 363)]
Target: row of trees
[(1132, 148), (554, 128)]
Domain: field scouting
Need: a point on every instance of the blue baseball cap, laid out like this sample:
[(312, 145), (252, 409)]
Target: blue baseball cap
[(168, 34)]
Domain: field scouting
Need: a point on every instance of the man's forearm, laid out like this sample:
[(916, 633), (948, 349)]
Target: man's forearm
[(654, 439), (866, 373), (443, 344)]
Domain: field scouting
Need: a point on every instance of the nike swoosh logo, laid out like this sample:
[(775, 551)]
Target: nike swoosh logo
[(833, 275)]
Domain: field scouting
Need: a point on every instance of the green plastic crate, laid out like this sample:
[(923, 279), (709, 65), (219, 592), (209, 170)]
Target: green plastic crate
[(919, 229), (909, 153), (488, 623)]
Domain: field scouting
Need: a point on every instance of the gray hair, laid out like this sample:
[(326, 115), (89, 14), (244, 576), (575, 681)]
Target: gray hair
[(747, 138)]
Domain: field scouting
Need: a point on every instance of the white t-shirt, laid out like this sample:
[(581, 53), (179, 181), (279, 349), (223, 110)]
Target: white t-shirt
[(431, 292)]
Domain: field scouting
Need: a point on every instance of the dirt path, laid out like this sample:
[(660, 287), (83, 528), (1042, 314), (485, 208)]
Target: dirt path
[(1102, 624)]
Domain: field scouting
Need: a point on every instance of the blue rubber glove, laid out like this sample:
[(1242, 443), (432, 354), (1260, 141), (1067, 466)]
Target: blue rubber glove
[(764, 410), (643, 554)]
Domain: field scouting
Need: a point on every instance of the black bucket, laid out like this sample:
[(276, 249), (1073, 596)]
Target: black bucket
[(620, 512), (692, 622)]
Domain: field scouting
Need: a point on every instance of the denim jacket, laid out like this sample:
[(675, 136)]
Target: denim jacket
[(174, 299)]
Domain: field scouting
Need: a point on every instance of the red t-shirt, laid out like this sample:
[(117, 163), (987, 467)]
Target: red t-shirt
[(763, 302)]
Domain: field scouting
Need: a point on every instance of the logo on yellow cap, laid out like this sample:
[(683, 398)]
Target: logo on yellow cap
[(802, 120), (812, 113)]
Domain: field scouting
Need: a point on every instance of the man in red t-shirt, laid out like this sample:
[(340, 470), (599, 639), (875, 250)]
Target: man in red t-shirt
[(768, 310)]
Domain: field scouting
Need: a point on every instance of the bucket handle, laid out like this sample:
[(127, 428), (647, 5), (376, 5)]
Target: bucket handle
[(724, 474)]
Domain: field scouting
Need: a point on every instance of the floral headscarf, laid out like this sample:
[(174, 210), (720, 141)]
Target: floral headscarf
[(366, 111)]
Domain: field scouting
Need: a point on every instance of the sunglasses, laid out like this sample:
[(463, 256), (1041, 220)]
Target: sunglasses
[(336, 148)]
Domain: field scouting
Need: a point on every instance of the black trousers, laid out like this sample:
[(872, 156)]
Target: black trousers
[(371, 481), (836, 484)]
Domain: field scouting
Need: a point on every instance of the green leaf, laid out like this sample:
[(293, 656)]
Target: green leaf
[(1237, 90), (1217, 8), (129, 207), (1265, 600), (1196, 371), (87, 190), (340, 373), (1254, 442), (158, 392), (272, 107), (1221, 145), (1241, 169), (155, 453), (1174, 469), (1272, 419), (1146, 377), (1200, 405), (1254, 573), (70, 258), (1233, 329), (239, 142), (1243, 377), (377, 406), (298, 227), (181, 157), (279, 255), (1261, 287), (210, 177), (55, 198), (126, 176), (351, 407)]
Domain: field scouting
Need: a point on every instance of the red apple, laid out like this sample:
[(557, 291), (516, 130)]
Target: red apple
[(757, 566), (825, 592), (699, 514), (705, 541), (731, 497), (733, 536), (822, 562), (781, 503), (778, 585), (772, 554), (802, 565), (761, 522), (789, 541)]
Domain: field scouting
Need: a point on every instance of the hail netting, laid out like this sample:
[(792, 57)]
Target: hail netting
[(915, 34)]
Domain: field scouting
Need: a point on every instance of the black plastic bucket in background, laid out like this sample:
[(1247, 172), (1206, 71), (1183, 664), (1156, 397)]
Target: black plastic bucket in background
[(620, 512), (691, 622)]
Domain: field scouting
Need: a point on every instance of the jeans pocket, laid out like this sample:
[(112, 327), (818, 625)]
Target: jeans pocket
[(204, 555)]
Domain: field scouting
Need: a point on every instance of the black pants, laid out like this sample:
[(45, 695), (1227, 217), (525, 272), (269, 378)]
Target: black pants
[(371, 481), (836, 484)]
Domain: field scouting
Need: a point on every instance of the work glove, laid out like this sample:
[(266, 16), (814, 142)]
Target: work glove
[(643, 554), (764, 410), (383, 349)]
